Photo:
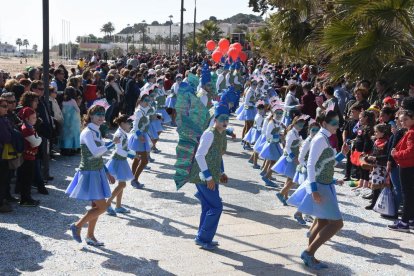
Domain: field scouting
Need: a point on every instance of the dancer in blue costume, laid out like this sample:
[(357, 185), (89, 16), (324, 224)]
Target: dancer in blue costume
[(139, 140), (205, 90), (172, 99), (160, 100), (91, 180), (272, 150), (317, 196), (249, 111), (155, 127), (286, 165), (118, 165), (207, 173), (253, 134), (301, 174), (292, 104)]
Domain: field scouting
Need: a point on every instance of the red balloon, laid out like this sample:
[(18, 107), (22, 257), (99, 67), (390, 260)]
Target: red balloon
[(233, 53), (210, 45), (224, 45), (216, 56), (243, 56), (238, 46)]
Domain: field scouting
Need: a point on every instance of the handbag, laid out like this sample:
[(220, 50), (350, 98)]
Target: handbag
[(355, 155), (385, 203)]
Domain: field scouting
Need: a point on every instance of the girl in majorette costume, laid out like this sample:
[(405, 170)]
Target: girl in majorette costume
[(118, 165), (258, 146), (301, 174), (91, 180), (155, 127), (252, 84), (160, 100), (139, 141), (317, 195), (248, 113), (272, 150), (172, 98), (286, 165), (255, 132)]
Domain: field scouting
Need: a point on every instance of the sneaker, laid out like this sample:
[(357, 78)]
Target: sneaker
[(369, 207), (29, 203), (262, 173), (200, 243), (75, 234), (155, 150), (122, 210), (299, 219), (308, 218), (12, 199), (147, 168), (268, 182), (310, 261), (110, 211), (92, 242), (43, 191), (400, 226), (256, 167), (136, 184), (281, 199), (151, 160)]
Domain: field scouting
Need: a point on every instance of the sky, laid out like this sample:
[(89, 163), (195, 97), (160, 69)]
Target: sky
[(23, 18)]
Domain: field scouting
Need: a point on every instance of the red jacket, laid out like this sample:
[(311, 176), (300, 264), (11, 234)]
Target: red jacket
[(404, 155), (29, 151)]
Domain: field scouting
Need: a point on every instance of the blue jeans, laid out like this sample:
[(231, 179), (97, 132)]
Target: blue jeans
[(211, 209), (396, 187)]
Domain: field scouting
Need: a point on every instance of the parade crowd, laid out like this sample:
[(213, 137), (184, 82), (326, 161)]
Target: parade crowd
[(298, 123)]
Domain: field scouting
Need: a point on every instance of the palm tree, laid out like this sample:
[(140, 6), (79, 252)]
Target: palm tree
[(34, 47), (108, 28), (25, 43), (19, 43), (159, 39), (209, 31)]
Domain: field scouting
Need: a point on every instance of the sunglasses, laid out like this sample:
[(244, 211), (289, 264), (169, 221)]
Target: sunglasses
[(314, 130), (334, 123)]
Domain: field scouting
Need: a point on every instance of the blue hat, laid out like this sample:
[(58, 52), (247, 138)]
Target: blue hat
[(185, 88), (226, 65), (221, 109), (205, 74)]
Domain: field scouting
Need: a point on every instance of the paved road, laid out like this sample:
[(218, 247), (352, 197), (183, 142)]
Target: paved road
[(257, 235)]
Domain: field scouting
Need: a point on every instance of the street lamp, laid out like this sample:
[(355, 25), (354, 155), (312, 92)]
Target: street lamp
[(169, 43), (127, 37), (143, 34)]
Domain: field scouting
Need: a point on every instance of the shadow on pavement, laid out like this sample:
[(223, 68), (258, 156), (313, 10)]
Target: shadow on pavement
[(24, 250), (128, 264)]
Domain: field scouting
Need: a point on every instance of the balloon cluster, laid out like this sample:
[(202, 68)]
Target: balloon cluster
[(233, 51)]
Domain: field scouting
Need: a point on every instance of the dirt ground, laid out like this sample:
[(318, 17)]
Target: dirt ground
[(15, 65)]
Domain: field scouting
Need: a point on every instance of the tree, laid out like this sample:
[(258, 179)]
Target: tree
[(25, 43), (108, 28), (213, 18), (35, 47), (159, 39), (155, 23), (210, 30), (19, 43)]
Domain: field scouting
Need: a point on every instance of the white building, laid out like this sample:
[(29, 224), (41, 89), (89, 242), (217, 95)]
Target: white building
[(8, 48)]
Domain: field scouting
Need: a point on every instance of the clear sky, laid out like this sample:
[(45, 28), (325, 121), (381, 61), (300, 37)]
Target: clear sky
[(23, 18)]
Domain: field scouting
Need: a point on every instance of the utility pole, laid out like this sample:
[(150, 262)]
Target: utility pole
[(169, 43), (181, 37), (194, 30), (45, 11)]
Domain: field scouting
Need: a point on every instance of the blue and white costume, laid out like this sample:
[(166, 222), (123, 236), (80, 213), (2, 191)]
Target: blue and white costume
[(286, 165), (271, 149), (118, 165), (291, 104), (249, 111), (258, 146), (254, 133), (172, 98), (90, 181), (301, 174), (320, 167), (140, 129), (160, 100)]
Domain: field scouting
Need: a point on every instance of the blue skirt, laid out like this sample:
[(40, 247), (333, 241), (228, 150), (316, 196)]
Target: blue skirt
[(271, 151), (247, 114), (165, 117), (284, 167), (135, 144), (252, 135), (120, 169), (327, 209), (300, 177), (239, 109), (259, 143), (170, 102), (89, 185), (286, 121)]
